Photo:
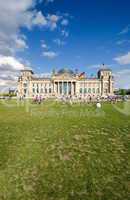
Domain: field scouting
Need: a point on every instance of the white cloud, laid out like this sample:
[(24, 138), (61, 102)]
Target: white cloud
[(49, 1), (96, 66), (21, 43), (122, 79), (59, 42), (45, 75), (125, 30), (19, 5), (10, 63), (16, 14), (9, 71), (46, 1), (50, 54), (52, 21), (64, 22), (39, 19), (124, 59), (44, 45), (121, 42), (64, 33)]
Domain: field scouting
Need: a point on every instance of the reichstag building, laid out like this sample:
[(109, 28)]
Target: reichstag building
[(65, 82)]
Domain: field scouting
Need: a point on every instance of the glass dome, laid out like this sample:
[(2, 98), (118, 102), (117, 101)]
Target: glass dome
[(65, 71)]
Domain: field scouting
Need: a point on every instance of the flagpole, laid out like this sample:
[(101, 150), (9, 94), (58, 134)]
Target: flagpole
[(84, 87)]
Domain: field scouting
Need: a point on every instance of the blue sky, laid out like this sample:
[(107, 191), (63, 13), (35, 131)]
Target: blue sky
[(77, 34)]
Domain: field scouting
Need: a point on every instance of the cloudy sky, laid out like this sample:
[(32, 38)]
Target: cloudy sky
[(78, 34)]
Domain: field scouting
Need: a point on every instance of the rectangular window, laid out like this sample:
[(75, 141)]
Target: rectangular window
[(80, 90), (93, 90), (89, 90), (25, 91), (98, 90), (45, 90), (85, 90), (41, 90), (25, 85)]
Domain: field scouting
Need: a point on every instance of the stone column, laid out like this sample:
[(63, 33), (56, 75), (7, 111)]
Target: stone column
[(58, 88), (56, 85), (71, 85), (70, 88), (77, 86), (67, 89), (54, 88), (62, 88), (74, 87), (101, 87), (60, 85), (111, 87)]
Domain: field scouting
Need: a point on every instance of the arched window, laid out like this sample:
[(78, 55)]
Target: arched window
[(25, 85)]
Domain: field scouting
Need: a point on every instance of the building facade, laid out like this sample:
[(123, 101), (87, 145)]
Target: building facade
[(65, 82)]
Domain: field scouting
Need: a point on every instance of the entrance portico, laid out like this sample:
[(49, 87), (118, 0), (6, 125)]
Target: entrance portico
[(65, 87)]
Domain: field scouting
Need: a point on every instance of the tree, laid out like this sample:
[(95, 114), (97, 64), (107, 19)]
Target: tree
[(122, 92)]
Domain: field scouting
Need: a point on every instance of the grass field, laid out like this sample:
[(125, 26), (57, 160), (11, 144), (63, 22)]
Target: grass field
[(61, 152)]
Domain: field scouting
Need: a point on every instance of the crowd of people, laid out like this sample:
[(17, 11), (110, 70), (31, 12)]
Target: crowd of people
[(82, 99), (38, 99)]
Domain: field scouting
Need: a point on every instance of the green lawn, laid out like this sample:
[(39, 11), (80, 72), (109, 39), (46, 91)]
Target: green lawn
[(62, 152)]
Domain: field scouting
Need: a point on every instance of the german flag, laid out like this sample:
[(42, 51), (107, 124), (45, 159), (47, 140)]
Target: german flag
[(82, 75)]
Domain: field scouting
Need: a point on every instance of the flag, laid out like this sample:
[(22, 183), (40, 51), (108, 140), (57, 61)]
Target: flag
[(82, 75)]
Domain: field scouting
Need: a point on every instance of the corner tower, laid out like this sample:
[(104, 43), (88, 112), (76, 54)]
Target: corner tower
[(106, 80), (26, 74), (24, 83)]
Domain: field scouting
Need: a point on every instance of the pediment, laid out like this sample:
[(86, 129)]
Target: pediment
[(63, 77)]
